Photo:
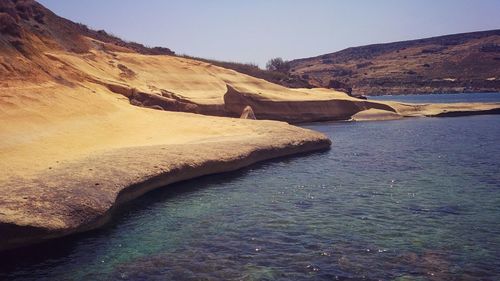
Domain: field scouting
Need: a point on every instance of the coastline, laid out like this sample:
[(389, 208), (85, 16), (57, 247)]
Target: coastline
[(123, 160), (445, 93), (77, 146), (73, 198), (68, 167), (407, 110)]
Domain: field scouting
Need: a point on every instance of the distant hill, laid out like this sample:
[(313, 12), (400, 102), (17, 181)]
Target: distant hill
[(26, 23), (467, 62)]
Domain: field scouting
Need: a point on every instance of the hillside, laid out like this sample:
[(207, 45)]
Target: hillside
[(40, 50), (21, 19), (467, 62), (276, 77)]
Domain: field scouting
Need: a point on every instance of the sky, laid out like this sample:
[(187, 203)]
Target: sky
[(257, 30)]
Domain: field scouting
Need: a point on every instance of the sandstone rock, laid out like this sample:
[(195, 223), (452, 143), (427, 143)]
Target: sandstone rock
[(248, 113)]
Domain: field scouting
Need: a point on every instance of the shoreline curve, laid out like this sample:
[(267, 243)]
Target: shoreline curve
[(79, 208)]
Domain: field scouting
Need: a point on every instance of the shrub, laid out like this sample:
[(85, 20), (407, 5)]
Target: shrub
[(278, 64)]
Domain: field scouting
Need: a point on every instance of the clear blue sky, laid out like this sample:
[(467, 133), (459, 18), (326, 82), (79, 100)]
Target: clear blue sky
[(256, 30)]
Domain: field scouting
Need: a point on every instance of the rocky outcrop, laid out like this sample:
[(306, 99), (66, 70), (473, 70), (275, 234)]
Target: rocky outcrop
[(83, 195), (254, 106), (296, 111), (161, 102), (376, 115), (9, 26), (248, 113), (471, 112)]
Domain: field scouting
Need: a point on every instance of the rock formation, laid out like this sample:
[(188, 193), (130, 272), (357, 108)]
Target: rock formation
[(248, 113)]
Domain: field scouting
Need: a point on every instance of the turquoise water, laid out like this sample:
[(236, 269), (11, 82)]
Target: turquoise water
[(442, 98), (412, 199)]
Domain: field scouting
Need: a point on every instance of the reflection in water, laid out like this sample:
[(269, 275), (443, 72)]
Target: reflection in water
[(413, 199)]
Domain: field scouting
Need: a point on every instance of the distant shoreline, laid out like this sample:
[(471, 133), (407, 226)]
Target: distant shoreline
[(432, 94)]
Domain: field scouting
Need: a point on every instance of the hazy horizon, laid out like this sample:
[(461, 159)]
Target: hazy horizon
[(259, 30)]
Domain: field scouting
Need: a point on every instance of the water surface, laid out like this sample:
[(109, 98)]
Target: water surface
[(412, 199)]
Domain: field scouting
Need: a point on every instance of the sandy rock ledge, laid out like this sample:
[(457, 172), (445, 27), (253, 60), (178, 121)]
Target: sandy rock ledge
[(82, 195)]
